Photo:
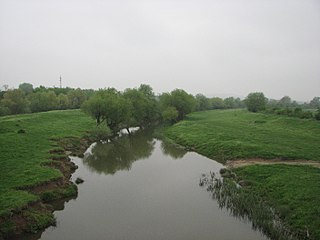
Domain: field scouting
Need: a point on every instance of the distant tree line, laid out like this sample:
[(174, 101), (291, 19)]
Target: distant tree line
[(27, 99), (257, 102)]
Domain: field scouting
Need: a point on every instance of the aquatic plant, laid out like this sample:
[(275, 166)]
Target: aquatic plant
[(249, 207)]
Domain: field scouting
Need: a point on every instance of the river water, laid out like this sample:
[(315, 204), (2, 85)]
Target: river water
[(137, 187)]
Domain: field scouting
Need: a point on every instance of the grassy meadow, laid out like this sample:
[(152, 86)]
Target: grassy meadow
[(238, 134), (25, 144)]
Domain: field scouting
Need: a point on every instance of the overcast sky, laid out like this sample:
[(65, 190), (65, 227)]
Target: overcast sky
[(215, 47)]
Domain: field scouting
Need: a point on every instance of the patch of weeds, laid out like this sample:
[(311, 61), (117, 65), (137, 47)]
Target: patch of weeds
[(21, 131), (49, 196), (69, 191), (7, 228), (38, 220)]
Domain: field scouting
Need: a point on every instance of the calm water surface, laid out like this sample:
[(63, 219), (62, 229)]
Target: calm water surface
[(140, 188)]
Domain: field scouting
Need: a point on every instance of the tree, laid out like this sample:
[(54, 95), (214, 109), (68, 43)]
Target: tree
[(317, 115), (170, 114), (203, 103), (256, 102), (315, 102), (15, 101), (96, 106), (43, 101), (27, 88), (139, 101), (217, 103), (63, 101), (232, 102), (183, 102), (76, 97), (110, 106), (285, 102), (146, 90)]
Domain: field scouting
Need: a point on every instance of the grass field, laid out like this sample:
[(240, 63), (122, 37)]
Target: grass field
[(293, 191), (23, 155), (236, 134)]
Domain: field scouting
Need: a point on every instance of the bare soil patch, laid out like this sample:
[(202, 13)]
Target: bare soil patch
[(246, 162)]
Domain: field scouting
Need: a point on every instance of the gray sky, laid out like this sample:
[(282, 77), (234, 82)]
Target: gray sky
[(211, 47)]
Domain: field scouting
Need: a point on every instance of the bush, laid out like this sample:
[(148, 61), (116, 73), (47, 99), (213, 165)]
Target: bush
[(317, 115), (256, 102), (101, 132), (21, 131), (306, 115)]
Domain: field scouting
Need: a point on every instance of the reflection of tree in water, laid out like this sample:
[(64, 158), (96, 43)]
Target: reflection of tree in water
[(120, 153), (173, 151)]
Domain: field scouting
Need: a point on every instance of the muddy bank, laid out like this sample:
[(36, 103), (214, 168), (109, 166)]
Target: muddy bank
[(39, 214)]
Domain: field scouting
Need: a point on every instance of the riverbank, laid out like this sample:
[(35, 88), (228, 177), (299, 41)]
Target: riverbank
[(240, 139), (238, 134), (291, 191), (35, 168)]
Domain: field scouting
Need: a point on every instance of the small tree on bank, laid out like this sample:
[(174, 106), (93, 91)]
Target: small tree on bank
[(256, 102)]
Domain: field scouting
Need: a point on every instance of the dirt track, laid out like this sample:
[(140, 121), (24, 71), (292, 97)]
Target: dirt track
[(246, 162)]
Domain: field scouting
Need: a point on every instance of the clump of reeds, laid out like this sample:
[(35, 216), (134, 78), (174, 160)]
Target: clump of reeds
[(248, 206)]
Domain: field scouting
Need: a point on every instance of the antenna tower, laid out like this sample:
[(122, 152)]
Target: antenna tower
[(60, 81)]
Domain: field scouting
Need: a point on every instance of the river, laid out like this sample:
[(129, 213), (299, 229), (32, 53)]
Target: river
[(138, 187)]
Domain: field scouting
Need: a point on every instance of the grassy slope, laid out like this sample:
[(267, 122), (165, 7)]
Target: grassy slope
[(294, 191), (23, 154), (235, 134)]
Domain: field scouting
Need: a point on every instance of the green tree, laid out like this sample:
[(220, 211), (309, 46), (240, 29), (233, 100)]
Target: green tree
[(256, 102), (217, 103), (96, 106), (285, 102), (146, 90), (110, 106), (203, 103), (63, 101), (76, 98), (315, 102), (15, 101), (43, 101), (140, 103), (27, 88), (170, 114), (183, 102), (317, 115)]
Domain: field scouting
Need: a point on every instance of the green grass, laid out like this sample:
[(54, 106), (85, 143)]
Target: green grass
[(24, 154), (235, 134), (293, 191)]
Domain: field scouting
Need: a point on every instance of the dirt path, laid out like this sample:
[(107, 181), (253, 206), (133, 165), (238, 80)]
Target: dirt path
[(246, 162)]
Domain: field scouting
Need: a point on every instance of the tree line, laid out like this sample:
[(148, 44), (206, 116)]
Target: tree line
[(27, 99), (141, 106), (257, 102)]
